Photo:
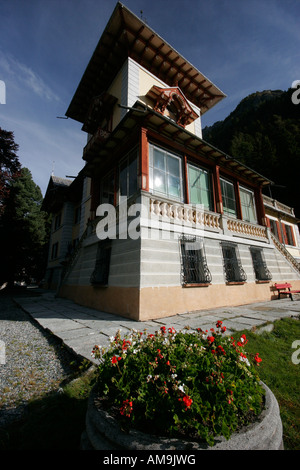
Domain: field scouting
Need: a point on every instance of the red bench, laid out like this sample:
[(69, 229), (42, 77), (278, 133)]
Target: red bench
[(286, 289)]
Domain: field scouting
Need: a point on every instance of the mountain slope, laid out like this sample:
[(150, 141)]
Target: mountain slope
[(264, 133)]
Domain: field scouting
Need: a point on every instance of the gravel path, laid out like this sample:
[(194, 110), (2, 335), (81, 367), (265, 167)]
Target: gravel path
[(32, 361)]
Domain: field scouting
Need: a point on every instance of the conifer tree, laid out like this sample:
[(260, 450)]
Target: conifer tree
[(23, 231)]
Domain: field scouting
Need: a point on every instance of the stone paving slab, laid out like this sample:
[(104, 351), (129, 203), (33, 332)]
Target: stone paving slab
[(80, 328)]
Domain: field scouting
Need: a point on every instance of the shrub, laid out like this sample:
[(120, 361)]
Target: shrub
[(189, 384)]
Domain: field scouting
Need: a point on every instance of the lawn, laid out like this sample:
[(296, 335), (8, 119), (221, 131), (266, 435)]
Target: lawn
[(56, 422)]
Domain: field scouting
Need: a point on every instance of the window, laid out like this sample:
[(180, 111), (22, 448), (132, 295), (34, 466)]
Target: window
[(54, 251), (165, 173), (200, 190), (101, 270), (233, 269), (108, 189), (193, 261), (128, 174), (228, 197), (77, 215), (248, 205), (273, 227), (259, 265), (57, 221), (289, 239)]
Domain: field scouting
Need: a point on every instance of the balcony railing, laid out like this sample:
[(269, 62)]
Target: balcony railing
[(206, 220), (278, 205)]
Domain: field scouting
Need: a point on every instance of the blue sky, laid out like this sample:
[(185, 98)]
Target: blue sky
[(242, 46)]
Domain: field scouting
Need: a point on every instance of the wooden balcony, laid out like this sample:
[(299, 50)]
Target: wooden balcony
[(94, 144)]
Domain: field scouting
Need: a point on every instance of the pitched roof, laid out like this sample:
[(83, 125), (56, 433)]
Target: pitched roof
[(126, 35)]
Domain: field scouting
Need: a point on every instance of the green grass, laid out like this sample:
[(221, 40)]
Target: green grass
[(280, 374), (55, 422)]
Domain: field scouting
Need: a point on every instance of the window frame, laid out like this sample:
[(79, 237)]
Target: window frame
[(225, 210), (233, 269), (274, 227), (194, 269), (54, 250), (130, 157), (100, 274), (208, 190), (57, 221), (170, 154), (260, 268), (289, 234), (249, 191), (109, 174)]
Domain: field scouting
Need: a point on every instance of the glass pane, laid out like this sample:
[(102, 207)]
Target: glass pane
[(248, 205), (159, 183), (132, 177), (159, 159), (205, 199), (193, 176), (195, 196), (123, 181), (174, 186), (173, 166), (228, 197)]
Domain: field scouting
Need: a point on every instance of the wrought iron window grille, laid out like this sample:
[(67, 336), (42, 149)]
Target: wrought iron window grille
[(194, 269), (261, 270), (233, 269)]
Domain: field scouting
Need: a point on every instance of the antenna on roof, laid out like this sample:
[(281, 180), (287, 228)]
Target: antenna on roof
[(52, 173)]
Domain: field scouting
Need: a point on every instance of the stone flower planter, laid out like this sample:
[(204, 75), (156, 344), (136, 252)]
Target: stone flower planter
[(104, 433)]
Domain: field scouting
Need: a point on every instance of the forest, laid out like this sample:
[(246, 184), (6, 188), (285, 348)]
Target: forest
[(263, 132)]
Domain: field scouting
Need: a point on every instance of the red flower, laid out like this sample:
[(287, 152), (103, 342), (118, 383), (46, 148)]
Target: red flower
[(221, 349), (115, 359), (257, 358), (126, 408), (243, 341), (210, 339), (187, 401), (219, 324)]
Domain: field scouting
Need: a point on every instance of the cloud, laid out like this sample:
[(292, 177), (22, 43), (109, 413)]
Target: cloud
[(24, 75)]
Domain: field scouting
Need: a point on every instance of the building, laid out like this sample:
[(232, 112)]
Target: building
[(187, 223)]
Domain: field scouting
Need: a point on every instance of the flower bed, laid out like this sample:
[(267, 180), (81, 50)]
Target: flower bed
[(192, 385)]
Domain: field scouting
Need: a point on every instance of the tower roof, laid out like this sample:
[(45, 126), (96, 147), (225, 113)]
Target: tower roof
[(126, 35)]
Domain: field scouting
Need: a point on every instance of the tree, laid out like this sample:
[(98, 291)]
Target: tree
[(23, 231), (9, 164), (263, 132)]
